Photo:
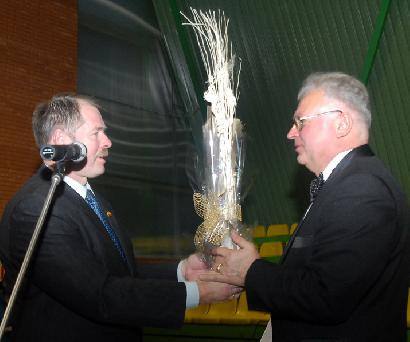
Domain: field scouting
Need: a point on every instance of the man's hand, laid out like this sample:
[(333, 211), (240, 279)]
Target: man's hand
[(192, 267), (232, 265), (210, 292)]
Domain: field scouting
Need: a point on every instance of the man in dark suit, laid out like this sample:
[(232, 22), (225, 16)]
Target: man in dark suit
[(83, 283), (344, 273)]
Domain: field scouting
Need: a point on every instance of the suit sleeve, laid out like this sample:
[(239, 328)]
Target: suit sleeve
[(65, 269), (158, 271), (356, 235)]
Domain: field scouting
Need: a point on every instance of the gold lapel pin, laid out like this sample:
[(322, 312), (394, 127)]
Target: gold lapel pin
[(109, 213)]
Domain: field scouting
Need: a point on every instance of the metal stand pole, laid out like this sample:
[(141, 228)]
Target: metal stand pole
[(55, 180)]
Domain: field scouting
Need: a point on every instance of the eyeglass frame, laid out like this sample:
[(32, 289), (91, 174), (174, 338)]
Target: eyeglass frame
[(299, 122)]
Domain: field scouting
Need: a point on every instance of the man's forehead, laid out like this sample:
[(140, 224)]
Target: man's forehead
[(315, 100), (91, 117)]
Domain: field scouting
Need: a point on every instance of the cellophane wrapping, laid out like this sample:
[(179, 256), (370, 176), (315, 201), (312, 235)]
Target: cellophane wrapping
[(218, 202)]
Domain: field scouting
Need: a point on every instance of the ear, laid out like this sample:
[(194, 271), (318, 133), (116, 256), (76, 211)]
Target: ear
[(60, 137), (344, 124)]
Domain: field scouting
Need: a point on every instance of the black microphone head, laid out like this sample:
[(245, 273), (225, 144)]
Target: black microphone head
[(47, 152), (81, 152), (75, 152)]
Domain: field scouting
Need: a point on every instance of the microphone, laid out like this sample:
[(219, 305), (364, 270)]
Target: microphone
[(75, 152)]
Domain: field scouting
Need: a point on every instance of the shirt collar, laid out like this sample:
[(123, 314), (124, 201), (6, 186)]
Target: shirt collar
[(77, 187), (333, 163)]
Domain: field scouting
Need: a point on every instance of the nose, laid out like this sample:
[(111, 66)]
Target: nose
[(106, 141), (293, 133)]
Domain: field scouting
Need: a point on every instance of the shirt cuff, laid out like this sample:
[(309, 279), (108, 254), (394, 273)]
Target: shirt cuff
[(192, 294), (192, 291), (179, 272)]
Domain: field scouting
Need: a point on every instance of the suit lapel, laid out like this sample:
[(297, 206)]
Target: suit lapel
[(73, 197), (361, 151), (124, 240), (290, 243), (76, 198)]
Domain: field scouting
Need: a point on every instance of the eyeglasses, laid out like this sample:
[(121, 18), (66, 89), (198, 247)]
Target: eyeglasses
[(300, 122)]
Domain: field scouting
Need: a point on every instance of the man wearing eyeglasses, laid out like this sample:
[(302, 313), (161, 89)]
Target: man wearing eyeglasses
[(344, 273)]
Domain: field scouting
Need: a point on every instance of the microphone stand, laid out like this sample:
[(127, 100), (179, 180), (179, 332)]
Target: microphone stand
[(55, 180)]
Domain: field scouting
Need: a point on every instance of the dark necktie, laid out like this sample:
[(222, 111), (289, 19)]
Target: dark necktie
[(93, 203), (315, 186)]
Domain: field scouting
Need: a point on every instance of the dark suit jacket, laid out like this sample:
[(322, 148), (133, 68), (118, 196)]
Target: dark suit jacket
[(345, 275), (78, 288)]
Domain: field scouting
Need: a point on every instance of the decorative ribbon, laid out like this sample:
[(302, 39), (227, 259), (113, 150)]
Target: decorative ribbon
[(212, 231)]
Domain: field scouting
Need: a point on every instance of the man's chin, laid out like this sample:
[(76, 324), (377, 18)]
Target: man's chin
[(90, 174), (97, 173), (301, 160)]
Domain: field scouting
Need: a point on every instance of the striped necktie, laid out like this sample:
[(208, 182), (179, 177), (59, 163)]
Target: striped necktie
[(95, 206)]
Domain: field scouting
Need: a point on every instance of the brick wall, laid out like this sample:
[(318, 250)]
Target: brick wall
[(38, 58)]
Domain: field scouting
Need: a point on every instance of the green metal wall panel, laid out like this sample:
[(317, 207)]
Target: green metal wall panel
[(389, 84), (280, 43)]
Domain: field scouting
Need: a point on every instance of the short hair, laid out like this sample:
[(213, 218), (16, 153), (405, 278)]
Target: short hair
[(62, 111), (342, 87)]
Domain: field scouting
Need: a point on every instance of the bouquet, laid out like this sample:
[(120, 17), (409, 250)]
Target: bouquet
[(218, 202)]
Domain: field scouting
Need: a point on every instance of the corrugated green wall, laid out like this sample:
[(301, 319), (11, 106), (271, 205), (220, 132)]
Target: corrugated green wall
[(280, 43), (389, 85)]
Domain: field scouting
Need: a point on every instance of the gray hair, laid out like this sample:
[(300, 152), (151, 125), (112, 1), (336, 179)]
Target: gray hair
[(342, 87), (62, 111)]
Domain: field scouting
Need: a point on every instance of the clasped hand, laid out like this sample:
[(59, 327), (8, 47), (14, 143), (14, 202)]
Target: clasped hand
[(209, 291), (232, 265), (227, 277)]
